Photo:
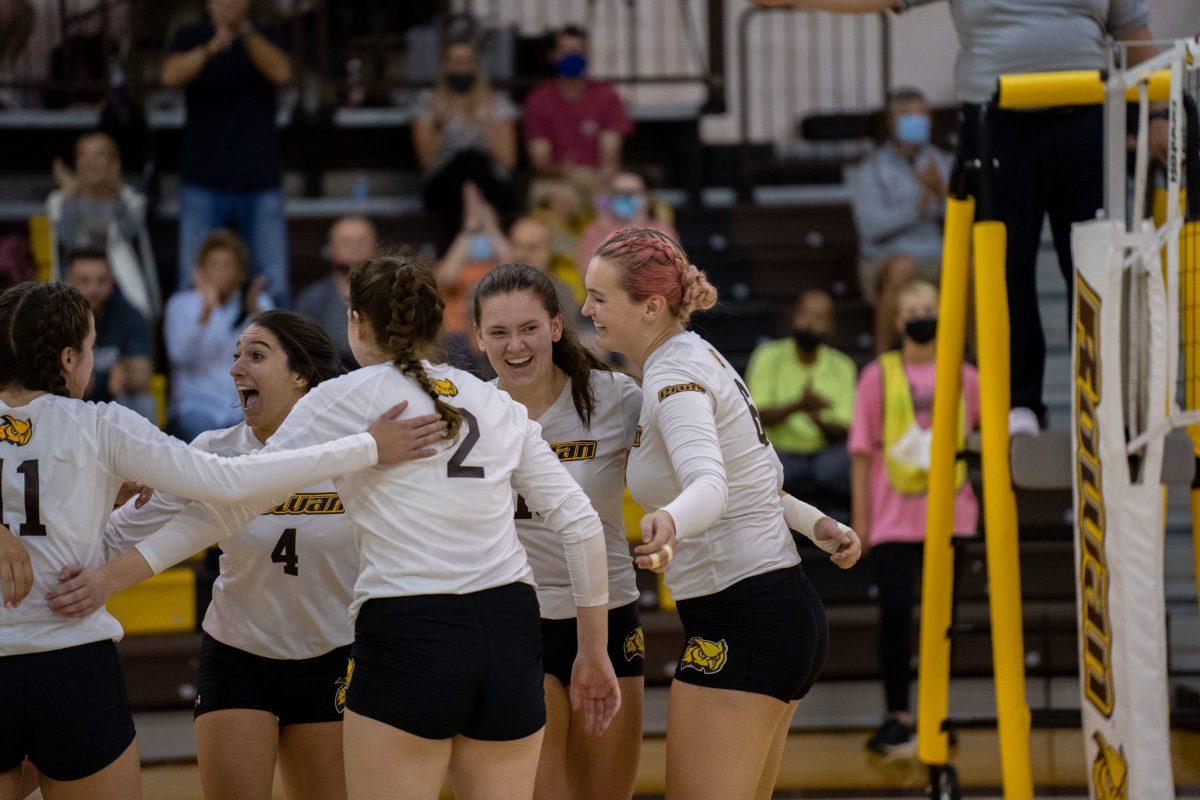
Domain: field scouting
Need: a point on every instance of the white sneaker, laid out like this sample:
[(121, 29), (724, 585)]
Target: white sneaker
[(1022, 422)]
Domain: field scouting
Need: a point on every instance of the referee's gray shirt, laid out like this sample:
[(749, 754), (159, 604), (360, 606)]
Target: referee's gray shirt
[(998, 37)]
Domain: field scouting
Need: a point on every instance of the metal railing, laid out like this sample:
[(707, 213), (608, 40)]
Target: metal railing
[(653, 48), (795, 63)]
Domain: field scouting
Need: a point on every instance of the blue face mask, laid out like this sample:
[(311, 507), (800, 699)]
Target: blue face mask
[(572, 65), (626, 206), (481, 248), (912, 129)]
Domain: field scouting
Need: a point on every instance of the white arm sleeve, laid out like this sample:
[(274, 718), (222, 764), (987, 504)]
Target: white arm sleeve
[(802, 518), (129, 524), (688, 428), (313, 425), (136, 450), (195, 528), (550, 490)]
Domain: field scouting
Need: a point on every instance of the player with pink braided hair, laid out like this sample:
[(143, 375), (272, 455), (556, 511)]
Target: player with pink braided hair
[(701, 465)]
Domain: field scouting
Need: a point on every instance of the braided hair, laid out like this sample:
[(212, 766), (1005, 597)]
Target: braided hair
[(568, 354), (37, 322), (397, 294), (653, 263)]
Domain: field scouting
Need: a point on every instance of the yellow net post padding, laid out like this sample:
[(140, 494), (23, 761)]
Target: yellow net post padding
[(1079, 88)]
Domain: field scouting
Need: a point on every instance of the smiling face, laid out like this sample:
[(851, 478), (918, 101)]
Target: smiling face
[(518, 335), (267, 386), (618, 318)]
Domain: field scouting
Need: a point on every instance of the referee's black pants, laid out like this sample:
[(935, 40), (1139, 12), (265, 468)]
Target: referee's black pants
[(1046, 163)]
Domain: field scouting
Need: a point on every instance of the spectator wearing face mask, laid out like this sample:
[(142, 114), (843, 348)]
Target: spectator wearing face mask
[(574, 123), (890, 440), (624, 203), (464, 131), (352, 241), (898, 195), (804, 390)]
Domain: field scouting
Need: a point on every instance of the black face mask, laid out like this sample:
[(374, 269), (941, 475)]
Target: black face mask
[(460, 82), (921, 330), (806, 340)]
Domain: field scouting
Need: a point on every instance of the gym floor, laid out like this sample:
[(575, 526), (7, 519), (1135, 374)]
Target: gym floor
[(825, 757)]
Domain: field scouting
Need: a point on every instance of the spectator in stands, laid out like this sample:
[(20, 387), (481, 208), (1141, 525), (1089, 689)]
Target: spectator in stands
[(804, 390), (231, 171), (201, 328), (890, 446), (92, 209), (464, 130), (1048, 162), (898, 196), (529, 243), (625, 202), (479, 247), (575, 126), (352, 241), (123, 353)]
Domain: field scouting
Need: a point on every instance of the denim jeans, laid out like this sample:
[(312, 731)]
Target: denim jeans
[(256, 216)]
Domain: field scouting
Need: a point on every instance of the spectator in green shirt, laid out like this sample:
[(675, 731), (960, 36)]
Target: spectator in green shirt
[(804, 391)]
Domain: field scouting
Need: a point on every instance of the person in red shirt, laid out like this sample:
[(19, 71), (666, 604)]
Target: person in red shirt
[(573, 123)]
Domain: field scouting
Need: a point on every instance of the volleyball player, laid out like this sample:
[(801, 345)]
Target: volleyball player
[(276, 635), (446, 675), (755, 630), (588, 414), (61, 464)]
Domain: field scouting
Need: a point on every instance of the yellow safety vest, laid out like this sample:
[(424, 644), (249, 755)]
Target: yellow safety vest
[(898, 417)]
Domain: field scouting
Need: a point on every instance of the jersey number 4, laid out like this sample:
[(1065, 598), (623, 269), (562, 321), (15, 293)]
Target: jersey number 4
[(32, 526), (285, 553)]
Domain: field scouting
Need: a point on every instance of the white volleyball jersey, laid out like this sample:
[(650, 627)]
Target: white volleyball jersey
[(595, 457), (61, 464), (286, 579), (438, 525), (720, 427)]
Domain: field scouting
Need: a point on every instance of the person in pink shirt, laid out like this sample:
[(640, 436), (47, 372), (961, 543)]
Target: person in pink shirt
[(624, 203), (572, 122), (889, 449)]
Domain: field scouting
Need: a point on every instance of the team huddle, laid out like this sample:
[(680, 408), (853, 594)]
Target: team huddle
[(440, 587)]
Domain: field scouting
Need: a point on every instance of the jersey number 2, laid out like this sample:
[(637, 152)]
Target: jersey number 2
[(455, 467), (32, 526), (285, 553)]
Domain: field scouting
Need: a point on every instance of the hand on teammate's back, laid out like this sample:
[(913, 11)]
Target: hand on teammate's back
[(16, 571), (594, 690), (400, 440)]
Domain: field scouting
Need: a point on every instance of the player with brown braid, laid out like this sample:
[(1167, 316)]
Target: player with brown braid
[(395, 294), (66, 460)]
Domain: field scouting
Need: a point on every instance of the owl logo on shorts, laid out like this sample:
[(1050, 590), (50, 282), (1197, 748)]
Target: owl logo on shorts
[(445, 387), (339, 697), (17, 431), (635, 644), (705, 656), (1109, 771)]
